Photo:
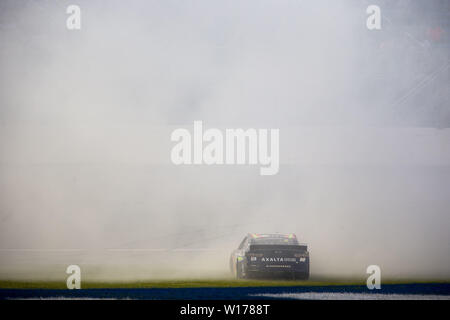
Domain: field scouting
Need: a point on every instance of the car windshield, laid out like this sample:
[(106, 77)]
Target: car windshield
[(274, 239)]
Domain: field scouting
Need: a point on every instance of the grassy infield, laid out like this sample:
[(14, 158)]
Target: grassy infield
[(190, 283)]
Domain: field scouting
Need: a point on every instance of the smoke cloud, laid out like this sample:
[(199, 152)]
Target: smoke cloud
[(86, 118)]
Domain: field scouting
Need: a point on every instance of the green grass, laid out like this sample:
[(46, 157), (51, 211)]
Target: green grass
[(219, 283)]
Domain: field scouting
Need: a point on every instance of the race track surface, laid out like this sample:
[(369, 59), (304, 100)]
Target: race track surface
[(346, 292)]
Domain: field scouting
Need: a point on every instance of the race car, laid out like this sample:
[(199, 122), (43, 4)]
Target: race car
[(269, 256)]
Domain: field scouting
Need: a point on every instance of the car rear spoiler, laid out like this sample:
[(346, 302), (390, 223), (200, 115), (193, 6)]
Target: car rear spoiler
[(300, 247)]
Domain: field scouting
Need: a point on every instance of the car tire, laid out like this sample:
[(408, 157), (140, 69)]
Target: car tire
[(240, 272)]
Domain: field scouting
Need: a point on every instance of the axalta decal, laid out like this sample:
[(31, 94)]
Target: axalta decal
[(278, 259)]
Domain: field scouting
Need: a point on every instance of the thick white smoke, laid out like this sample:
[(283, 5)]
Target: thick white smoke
[(86, 117)]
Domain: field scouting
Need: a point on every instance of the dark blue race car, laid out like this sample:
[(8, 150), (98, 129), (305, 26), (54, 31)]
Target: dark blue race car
[(269, 256)]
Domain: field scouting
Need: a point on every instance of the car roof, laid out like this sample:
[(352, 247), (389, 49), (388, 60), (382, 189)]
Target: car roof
[(272, 235)]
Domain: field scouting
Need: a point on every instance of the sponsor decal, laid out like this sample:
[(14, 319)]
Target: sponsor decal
[(278, 259), (277, 266)]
